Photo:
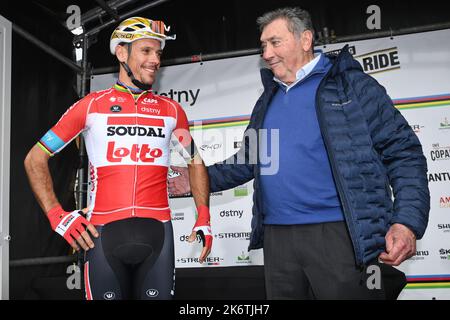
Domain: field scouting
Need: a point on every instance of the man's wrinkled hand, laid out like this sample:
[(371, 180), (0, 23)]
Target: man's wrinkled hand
[(400, 245)]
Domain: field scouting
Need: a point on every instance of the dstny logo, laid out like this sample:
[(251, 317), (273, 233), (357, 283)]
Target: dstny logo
[(152, 293), (185, 237), (231, 213)]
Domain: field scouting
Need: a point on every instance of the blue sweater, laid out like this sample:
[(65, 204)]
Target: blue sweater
[(303, 189)]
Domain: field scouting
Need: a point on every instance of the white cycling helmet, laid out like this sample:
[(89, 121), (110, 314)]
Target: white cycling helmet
[(136, 28)]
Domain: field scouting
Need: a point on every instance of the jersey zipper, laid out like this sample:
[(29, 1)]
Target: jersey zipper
[(133, 210)]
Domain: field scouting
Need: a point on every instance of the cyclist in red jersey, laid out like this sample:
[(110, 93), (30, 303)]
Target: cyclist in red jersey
[(127, 233)]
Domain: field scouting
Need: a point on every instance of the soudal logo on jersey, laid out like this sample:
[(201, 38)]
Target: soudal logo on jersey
[(132, 126), (142, 153), (133, 131)]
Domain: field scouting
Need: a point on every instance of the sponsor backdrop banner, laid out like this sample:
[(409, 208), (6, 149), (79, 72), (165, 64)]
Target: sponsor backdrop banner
[(218, 97)]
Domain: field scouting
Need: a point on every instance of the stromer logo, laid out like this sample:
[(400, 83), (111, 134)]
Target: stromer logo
[(208, 261), (233, 235)]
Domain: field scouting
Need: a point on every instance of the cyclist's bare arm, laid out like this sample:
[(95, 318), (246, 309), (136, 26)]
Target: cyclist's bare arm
[(36, 167)]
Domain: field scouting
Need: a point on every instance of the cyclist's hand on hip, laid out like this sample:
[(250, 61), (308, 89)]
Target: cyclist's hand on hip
[(73, 227)]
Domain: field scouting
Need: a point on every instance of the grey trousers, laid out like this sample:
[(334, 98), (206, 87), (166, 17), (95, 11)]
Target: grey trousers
[(315, 261)]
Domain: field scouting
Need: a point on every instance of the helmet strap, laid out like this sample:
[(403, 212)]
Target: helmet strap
[(136, 82)]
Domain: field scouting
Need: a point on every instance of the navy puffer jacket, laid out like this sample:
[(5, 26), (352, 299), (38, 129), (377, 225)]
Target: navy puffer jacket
[(371, 149)]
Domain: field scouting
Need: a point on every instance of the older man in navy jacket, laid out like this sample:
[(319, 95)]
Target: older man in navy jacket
[(327, 213)]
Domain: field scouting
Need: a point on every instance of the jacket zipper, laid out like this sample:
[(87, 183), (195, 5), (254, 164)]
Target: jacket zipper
[(337, 177)]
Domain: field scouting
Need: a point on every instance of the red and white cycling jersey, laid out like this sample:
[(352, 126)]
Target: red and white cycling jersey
[(128, 144)]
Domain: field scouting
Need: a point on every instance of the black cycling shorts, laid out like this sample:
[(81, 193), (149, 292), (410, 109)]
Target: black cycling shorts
[(132, 259)]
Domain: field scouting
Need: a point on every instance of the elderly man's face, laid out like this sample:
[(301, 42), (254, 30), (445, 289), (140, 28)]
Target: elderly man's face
[(284, 52)]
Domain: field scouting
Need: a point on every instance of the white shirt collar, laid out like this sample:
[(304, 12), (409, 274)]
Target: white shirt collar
[(301, 74)]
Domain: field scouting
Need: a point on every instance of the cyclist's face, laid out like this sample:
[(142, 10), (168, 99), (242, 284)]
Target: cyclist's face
[(284, 52), (145, 59)]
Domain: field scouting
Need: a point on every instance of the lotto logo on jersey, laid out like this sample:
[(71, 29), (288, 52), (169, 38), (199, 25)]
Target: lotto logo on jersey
[(136, 153)]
